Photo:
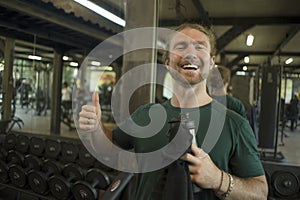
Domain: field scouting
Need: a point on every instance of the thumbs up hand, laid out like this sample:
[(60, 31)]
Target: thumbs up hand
[(90, 115)]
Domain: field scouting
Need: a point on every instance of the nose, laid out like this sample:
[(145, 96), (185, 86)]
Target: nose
[(190, 53), (190, 57)]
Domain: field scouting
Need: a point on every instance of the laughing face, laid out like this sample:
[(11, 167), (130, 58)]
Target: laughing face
[(190, 56)]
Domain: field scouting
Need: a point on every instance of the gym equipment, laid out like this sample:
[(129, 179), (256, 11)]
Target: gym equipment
[(13, 157), (118, 184), (85, 159), (69, 152), (18, 174), (283, 180), (3, 153), (10, 141), (37, 146), (38, 180), (103, 167), (95, 180), (22, 144), (67, 114), (269, 103), (60, 186), (53, 148)]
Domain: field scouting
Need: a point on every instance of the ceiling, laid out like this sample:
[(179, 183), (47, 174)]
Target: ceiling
[(45, 25)]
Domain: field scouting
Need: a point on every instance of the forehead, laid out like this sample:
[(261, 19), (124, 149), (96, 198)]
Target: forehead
[(189, 34)]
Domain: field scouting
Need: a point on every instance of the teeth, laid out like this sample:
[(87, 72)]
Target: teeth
[(190, 67)]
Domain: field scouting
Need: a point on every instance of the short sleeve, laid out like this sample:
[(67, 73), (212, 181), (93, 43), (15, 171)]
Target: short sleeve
[(245, 161)]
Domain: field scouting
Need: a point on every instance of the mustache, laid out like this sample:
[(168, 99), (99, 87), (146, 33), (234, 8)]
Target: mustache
[(182, 63)]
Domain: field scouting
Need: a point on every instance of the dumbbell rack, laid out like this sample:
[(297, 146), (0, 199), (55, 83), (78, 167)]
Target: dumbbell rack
[(21, 192), (70, 151)]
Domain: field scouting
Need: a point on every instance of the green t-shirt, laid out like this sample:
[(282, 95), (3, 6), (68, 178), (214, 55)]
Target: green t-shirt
[(234, 147), (232, 103)]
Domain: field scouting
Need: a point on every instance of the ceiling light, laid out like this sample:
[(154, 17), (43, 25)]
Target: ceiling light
[(245, 68), (32, 57), (95, 63), (104, 13), (65, 58), (250, 40), (289, 61), (246, 59), (74, 64), (241, 73), (108, 68)]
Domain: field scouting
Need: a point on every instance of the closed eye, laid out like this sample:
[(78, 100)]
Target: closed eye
[(180, 46), (200, 45)]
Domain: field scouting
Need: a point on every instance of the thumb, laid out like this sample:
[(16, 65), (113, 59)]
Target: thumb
[(96, 103)]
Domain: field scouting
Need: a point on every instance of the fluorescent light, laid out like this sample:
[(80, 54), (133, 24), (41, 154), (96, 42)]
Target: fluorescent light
[(32, 57), (74, 64), (246, 59), (108, 68), (250, 40), (104, 13), (289, 61), (241, 73), (95, 63), (245, 68)]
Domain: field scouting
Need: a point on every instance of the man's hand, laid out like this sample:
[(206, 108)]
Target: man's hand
[(203, 171), (90, 115)]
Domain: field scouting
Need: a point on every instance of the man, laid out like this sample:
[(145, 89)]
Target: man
[(66, 93), (231, 169), (292, 111), (218, 90)]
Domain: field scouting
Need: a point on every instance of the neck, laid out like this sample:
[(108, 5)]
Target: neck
[(191, 97)]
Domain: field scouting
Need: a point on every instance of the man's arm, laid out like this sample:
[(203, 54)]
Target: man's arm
[(207, 175), (254, 188)]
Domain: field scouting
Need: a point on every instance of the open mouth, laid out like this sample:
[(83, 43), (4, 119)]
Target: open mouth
[(190, 67)]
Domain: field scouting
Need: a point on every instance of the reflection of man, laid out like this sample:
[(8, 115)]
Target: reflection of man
[(66, 92), (232, 169), (293, 111), (218, 90)]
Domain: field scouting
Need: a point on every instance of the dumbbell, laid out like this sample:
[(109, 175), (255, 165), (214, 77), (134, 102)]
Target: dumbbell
[(18, 174), (117, 186), (103, 167), (60, 186), (69, 152), (3, 153), (22, 144), (85, 159), (53, 148), (95, 180), (13, 157), (10, 141), (38, 180), (37, 146)]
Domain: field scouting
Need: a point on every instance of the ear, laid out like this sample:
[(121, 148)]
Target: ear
[(167, 62), (212, 62)]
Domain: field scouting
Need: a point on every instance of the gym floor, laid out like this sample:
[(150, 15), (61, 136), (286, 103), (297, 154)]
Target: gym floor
[(40, 124), (290, 147)]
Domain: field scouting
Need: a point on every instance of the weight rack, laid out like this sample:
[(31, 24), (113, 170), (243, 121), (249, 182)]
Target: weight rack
[(44, 147)]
